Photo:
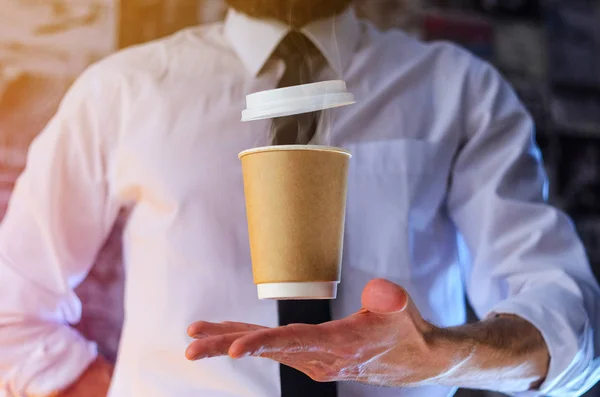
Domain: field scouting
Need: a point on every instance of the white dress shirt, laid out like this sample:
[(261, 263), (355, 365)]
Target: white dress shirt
[(446, 195)]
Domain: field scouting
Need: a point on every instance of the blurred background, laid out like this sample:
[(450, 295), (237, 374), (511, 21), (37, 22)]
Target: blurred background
[(549, 51)]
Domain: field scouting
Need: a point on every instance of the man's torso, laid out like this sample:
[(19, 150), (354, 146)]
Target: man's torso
[(175, 166)]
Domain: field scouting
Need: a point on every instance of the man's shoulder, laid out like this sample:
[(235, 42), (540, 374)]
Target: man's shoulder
[(156, 58), (405, 47)]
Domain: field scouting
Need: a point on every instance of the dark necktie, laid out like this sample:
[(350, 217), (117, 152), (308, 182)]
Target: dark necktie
[(302, 60)]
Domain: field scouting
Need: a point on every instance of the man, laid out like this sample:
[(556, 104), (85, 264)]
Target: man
[(442, 148)]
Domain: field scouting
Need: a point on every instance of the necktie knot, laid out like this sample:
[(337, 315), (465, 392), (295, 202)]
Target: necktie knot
[(301, 57), (295, 44)]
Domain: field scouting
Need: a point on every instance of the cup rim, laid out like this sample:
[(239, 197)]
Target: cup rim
[(285, 148)]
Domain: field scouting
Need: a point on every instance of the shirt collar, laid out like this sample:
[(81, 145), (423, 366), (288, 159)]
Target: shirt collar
[(254, 40)]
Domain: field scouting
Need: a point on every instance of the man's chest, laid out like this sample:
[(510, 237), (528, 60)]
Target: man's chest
[(179, 165), (186, 133)]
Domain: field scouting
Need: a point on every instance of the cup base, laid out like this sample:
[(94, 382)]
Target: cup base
[(298, 291)]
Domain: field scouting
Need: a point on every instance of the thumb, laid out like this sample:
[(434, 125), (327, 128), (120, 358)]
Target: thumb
[(382, 296)]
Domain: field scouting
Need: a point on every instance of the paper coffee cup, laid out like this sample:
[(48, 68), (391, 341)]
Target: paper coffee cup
[(296, 205)]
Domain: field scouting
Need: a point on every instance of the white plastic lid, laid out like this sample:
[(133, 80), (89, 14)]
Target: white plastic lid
[(296, 100)]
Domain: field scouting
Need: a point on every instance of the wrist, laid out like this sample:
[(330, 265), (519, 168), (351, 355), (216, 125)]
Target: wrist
[(453, 350)]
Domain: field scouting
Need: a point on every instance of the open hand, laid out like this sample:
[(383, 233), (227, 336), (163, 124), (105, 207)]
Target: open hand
[(387, 342)]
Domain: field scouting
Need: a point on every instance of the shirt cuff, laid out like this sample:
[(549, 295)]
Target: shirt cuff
[(54, 364), (564, 326)]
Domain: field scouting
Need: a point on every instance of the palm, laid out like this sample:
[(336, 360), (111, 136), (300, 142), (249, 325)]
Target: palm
[(388, 331)]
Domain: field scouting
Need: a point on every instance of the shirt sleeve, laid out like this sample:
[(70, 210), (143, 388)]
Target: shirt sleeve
[(60, 213), (521, 255)]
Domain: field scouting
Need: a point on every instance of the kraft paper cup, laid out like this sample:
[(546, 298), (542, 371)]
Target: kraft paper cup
[(296, 205)]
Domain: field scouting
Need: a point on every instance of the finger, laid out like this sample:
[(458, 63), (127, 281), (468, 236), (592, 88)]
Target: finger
[(204, 328), (212, 346), (289, 339), (382, 296)]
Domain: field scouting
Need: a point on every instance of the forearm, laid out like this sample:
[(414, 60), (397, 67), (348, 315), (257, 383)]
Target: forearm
[(502, 353), (94, 382)]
